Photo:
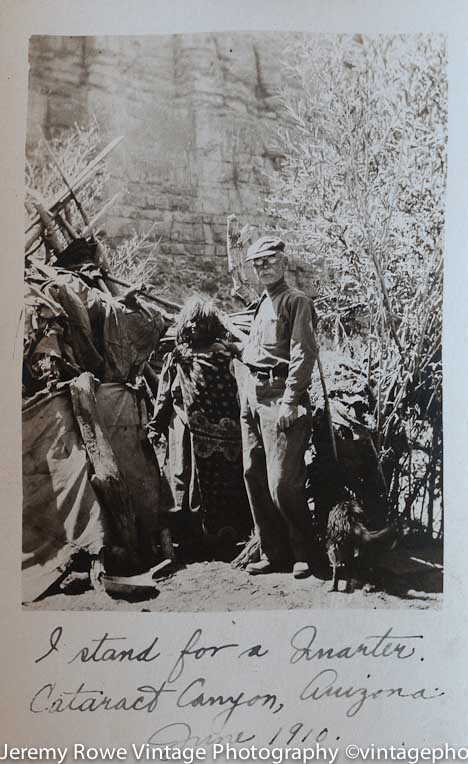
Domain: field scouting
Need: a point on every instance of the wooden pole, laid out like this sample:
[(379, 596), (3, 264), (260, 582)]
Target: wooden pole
[(66, 181), (156, 298), (89, 228), (169, 317), (36, 233), (59, 201), (241, 287), (48, 223), (64, 224)]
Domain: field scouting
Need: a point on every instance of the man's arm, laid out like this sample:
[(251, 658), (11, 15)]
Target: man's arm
[(303, 354)]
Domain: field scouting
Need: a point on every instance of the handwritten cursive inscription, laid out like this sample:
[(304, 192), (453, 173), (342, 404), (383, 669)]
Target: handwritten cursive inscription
[(105, 649), (193, 649), (180, 735), (327, 684), (50, 700), (192, 697), (146, 698), (387, 645), (184, 688)]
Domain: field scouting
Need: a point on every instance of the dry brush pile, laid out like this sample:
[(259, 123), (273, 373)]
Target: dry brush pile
[(75, 160)]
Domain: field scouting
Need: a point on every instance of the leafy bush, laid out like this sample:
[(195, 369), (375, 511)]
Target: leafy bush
[(360, 194)]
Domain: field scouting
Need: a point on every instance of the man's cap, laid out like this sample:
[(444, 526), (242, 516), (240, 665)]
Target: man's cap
[(264, 247)]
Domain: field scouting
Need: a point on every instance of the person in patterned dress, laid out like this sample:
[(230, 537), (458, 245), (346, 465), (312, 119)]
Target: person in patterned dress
[(198, 408)]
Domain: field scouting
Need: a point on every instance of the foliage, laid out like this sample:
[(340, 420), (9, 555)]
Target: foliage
[(135, 259), (360, 194)]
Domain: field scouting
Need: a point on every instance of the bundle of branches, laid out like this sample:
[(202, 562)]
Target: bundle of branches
[(361, 193), (56, 213), (66, 180)]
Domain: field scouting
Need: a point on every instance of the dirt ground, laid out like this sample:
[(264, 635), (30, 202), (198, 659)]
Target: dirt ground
[(408, 578)]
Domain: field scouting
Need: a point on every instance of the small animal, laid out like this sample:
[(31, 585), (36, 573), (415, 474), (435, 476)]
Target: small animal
[(346, 534)]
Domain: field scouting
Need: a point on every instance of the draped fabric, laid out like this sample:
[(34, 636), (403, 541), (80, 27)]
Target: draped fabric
[(92, 330), (211, 401), (61, 513), (211, 411)]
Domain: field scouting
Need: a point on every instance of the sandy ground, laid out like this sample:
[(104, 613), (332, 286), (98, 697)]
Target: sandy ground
[(408, 579)]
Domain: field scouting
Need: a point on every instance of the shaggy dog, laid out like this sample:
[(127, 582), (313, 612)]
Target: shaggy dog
[(346, 534)]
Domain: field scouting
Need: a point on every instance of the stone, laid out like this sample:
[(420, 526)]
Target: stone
[(198, 113)]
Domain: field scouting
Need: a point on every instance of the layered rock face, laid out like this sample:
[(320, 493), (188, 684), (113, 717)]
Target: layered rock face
[(198, 114)]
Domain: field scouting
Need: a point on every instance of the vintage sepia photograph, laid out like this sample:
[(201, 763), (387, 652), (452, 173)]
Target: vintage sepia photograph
[(232, 359)]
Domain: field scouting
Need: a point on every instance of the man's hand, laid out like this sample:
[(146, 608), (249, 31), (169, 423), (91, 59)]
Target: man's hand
[(287, 415), (153, 435)]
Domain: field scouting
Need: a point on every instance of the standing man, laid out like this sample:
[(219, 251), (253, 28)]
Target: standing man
[(275, 414)]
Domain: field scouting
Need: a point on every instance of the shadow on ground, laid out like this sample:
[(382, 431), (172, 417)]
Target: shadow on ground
[(405, 578)]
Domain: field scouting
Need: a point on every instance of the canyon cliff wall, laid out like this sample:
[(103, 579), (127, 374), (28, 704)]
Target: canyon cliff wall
[(198, 114)]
